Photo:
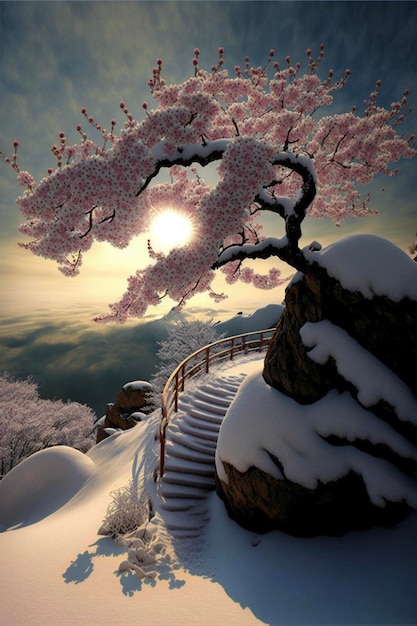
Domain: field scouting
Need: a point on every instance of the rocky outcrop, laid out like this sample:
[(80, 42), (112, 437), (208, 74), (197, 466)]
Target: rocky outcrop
[(260, 503), (125, 412), (385, 328)]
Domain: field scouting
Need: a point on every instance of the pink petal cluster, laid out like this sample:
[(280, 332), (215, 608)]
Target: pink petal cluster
[(109, 192)]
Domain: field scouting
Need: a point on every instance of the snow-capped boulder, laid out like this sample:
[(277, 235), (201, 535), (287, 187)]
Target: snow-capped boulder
[(349, 327), (123, 414), (133, 395)]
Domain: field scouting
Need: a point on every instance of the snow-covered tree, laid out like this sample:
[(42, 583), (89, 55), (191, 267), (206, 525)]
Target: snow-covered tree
[(29, 423), (277, 152), (184, 338)]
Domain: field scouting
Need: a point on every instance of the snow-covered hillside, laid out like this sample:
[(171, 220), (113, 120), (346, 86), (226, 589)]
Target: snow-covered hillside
[(55, 568)]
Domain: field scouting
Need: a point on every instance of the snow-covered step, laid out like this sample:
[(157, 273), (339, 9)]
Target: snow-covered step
[(205, 414), (230, 381), (183, 524), (183, 507), (191, 442), (206, 409), (175, 464), (221, 401), (212, 399), (225, 386), (201, 424), (178, 505), (179, 478), (208, 435), (191, 454), (214, 408), (176, 492)]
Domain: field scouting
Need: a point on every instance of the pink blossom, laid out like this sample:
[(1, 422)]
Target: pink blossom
[(26, 180), (110, 192)]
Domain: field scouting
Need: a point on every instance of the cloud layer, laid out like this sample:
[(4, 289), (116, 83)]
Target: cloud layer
[(76, 363)]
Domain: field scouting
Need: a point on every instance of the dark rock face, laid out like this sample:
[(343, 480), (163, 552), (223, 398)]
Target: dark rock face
[(260, 503), (386, 329)]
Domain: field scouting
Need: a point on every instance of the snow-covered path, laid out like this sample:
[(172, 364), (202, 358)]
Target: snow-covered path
[(190, 453)]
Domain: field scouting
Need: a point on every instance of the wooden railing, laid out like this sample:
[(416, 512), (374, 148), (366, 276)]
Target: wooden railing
[(199, 362)]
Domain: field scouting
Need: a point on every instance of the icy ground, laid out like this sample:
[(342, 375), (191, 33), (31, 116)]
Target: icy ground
[(56, 569)]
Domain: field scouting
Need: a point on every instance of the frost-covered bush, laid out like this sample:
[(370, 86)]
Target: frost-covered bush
[(183, 339), (29, 423), (128, 510)]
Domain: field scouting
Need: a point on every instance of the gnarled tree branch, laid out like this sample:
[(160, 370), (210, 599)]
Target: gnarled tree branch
[(293, 213), (203, 154)]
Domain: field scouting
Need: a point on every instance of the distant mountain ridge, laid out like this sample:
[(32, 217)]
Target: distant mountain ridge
[(266, 317)]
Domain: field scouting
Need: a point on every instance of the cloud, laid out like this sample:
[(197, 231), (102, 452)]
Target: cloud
[(74, 362)]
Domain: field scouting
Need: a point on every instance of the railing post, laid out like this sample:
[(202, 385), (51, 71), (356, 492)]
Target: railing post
[(207, 359), (162, 428), (232, 345), (162, 454), (176, 391)]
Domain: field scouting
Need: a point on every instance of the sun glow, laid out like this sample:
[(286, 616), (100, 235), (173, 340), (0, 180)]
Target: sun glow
[(170, 229)]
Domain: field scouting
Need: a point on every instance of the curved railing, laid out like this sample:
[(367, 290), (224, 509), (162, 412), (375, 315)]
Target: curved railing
[(199, 362)]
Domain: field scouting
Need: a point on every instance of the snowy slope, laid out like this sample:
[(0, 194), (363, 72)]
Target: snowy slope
[(56, 569), (188, 563)]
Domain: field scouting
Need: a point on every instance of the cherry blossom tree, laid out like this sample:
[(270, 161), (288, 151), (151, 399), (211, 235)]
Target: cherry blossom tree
[(29, 424), (277, 151)]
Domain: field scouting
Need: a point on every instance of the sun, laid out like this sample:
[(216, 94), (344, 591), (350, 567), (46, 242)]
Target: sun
[(170, 229)]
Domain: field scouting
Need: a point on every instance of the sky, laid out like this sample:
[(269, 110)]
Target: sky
[(56, 57)]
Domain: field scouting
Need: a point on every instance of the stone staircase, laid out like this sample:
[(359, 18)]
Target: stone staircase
[(191, 440)]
